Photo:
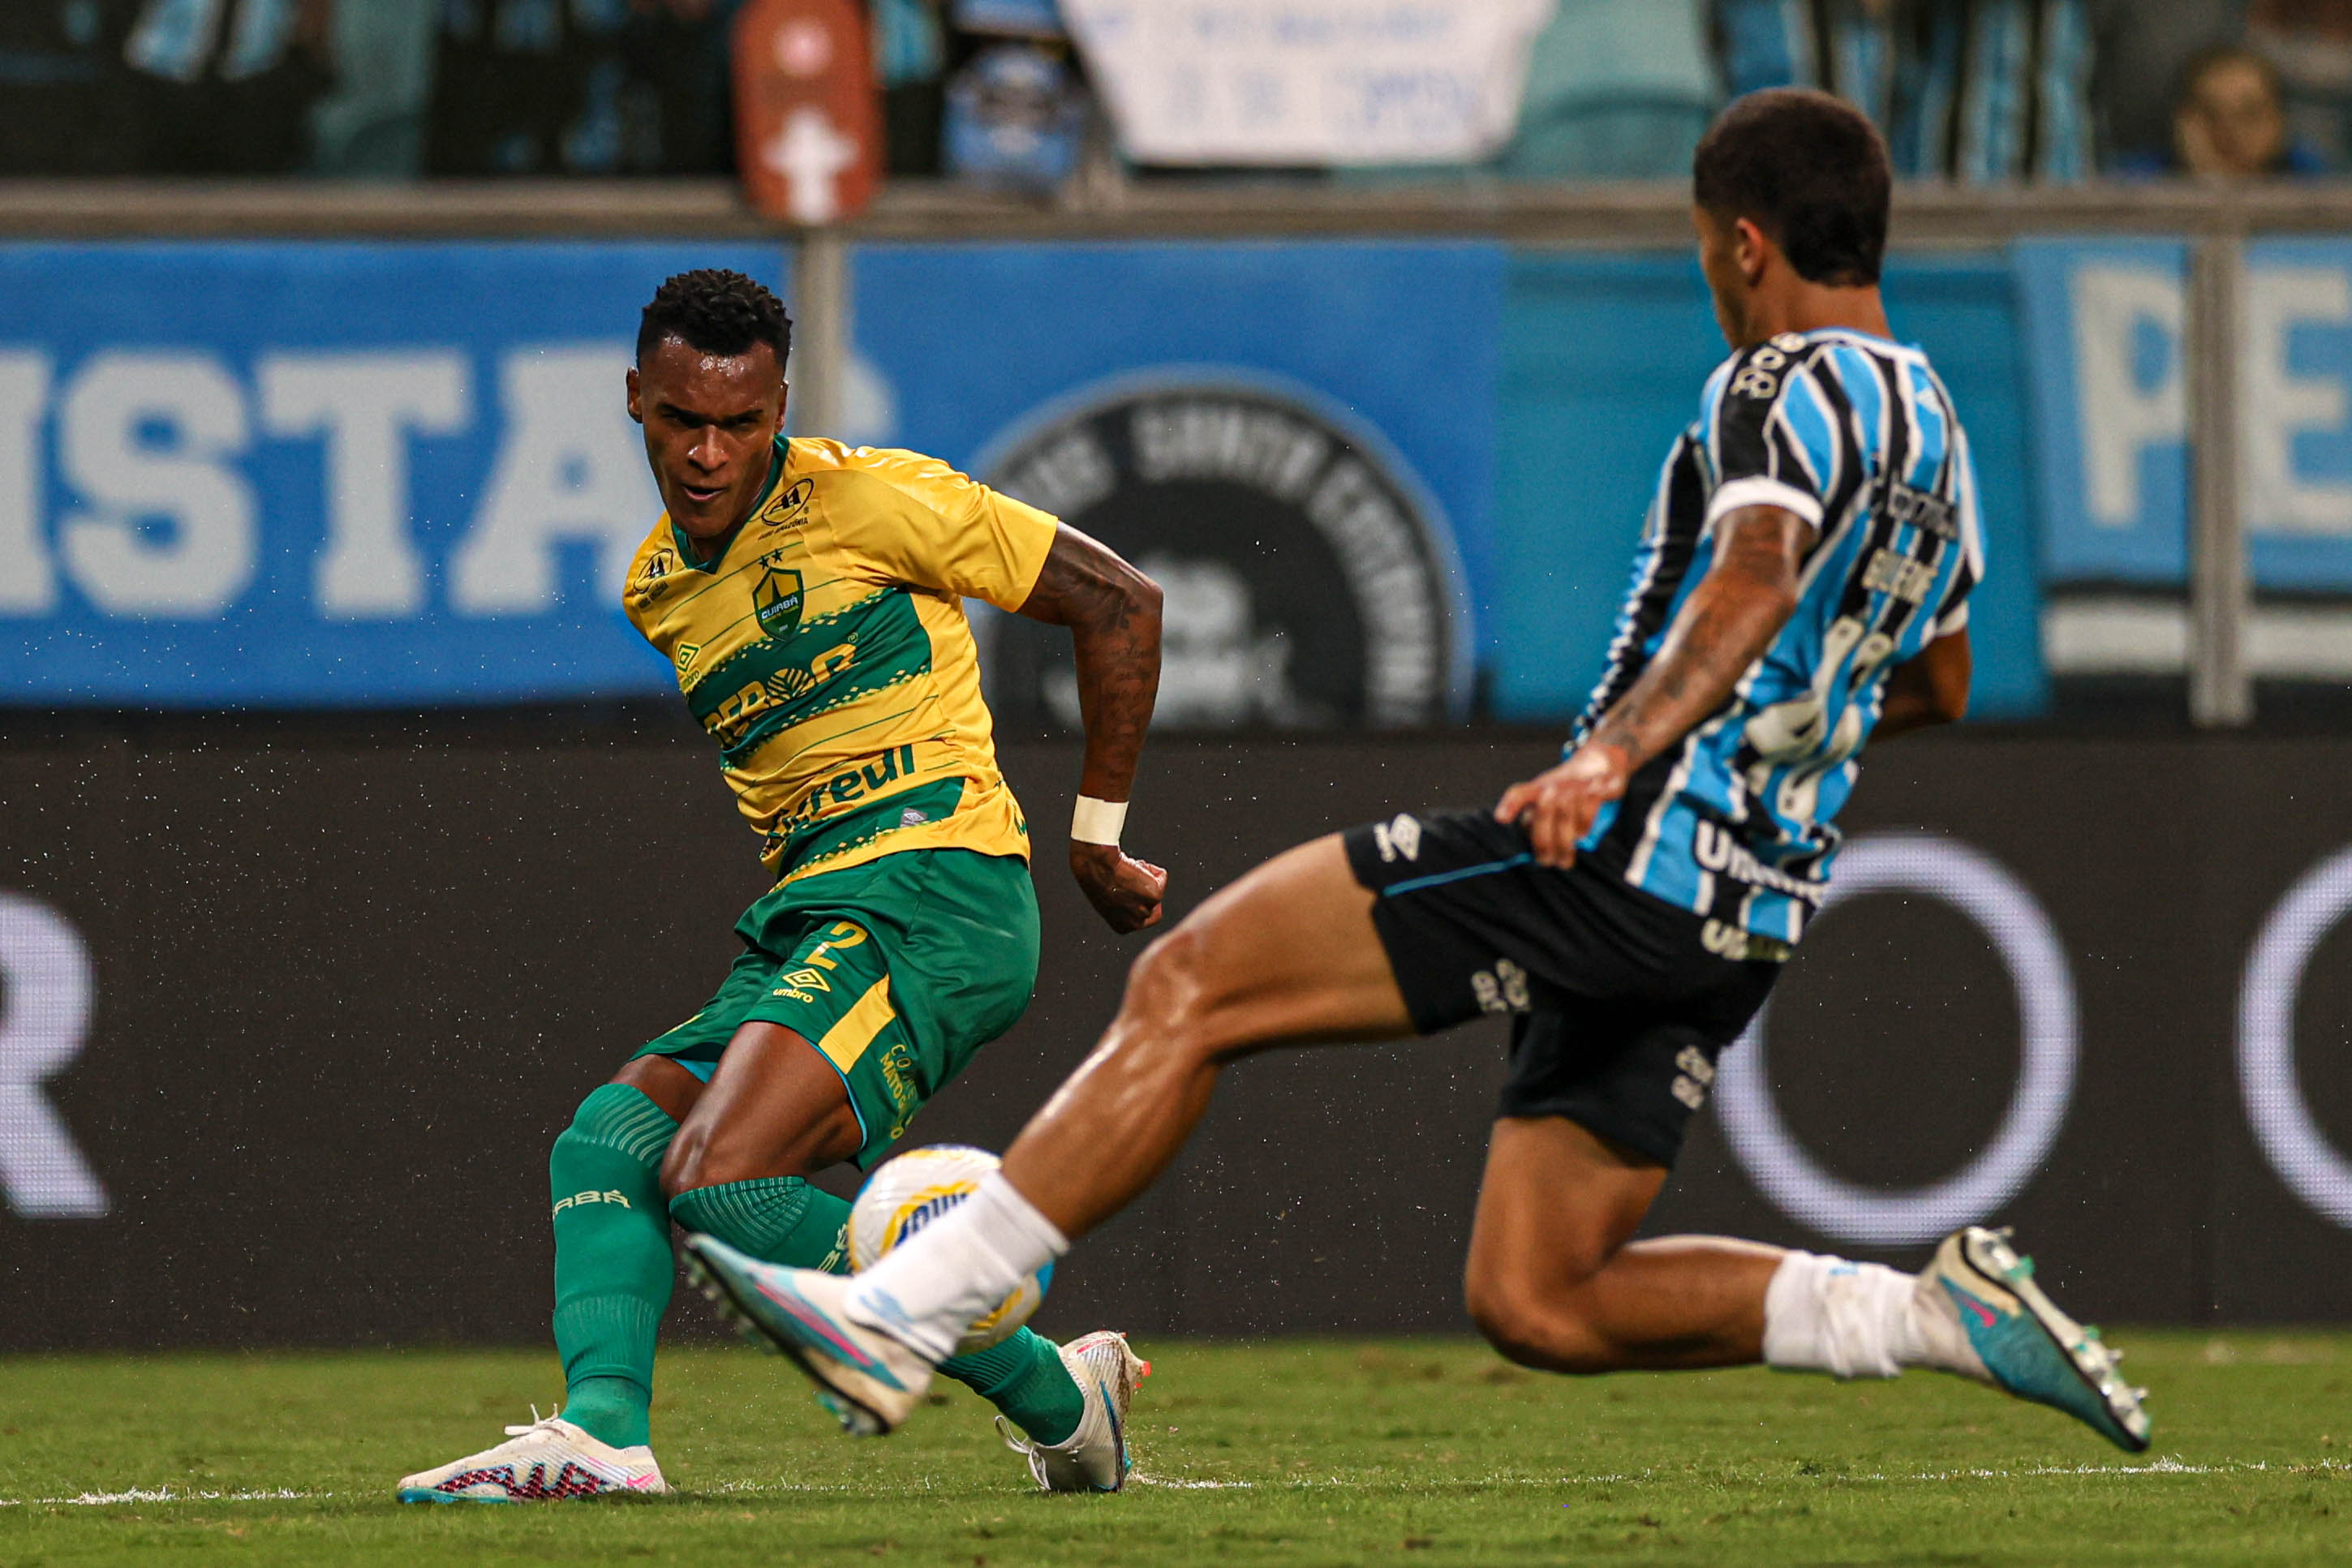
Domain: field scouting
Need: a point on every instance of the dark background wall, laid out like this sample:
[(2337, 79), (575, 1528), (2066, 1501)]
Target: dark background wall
[(352, 976)]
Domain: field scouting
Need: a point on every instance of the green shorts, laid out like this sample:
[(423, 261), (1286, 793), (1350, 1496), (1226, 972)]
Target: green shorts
[(896, 971)]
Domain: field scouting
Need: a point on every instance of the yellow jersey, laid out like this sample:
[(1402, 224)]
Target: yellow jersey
[(825, 650)]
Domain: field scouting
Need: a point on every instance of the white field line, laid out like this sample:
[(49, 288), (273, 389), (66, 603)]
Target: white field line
[(162, 1494), (2162, 1466), (1177, 1483)]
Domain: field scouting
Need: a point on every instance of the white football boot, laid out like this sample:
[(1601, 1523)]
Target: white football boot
[(550, 1461), (1093, 1458), (870, 1381), (1976, 1307)]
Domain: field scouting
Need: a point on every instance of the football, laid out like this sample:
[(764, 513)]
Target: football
[(910, 1192)]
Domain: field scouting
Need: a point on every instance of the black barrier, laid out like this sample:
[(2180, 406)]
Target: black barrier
[(291, 1014)]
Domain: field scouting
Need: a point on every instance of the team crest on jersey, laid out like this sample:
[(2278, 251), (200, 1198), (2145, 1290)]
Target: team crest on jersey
[(777, 600)]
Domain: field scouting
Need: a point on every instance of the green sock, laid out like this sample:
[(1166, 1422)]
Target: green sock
[(783, 1219), (613, 1263), (1024, 1376), (778, 1219)]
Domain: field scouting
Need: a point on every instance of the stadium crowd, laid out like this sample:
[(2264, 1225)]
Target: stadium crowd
[(1976, 90)]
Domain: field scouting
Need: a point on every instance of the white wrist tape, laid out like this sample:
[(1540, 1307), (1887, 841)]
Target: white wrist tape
[(1097, 821)]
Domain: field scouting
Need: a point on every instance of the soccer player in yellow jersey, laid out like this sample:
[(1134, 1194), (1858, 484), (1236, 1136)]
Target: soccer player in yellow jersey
[(810, 596)]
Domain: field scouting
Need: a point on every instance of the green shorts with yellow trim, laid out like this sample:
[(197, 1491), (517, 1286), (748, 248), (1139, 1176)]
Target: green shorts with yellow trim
[(896, 971)]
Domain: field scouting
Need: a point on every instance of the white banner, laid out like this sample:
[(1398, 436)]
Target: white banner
[(1309, 81)]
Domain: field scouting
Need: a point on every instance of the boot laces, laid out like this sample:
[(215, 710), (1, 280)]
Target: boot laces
[(1024, 1447)]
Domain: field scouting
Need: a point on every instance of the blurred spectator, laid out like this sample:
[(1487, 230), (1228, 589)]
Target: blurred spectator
[(64, 90), (2141, 50), (1616, 90), (225, 87), (1017, 111), (373, 124), (1978, 90), (2309, 43), (580, 87), (2229, 120), (911, 61)]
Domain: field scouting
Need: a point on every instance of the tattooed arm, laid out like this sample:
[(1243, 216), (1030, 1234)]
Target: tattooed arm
[(1725, 625), (1113, 614)]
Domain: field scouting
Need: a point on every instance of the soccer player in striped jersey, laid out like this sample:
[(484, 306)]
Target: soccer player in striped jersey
[(1801, 587), (810, 597)]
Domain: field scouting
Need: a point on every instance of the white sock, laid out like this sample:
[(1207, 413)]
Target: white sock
[(931, 1288), (1849, 1320)]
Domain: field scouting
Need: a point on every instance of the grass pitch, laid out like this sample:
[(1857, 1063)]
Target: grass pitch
[(1419, 1451)]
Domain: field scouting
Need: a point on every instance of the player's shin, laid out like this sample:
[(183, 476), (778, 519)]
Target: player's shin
[(783, 1219), (928, 1291), (613, 1264), (1849, 1320)]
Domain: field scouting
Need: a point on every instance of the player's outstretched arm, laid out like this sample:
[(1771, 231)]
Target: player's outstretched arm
[(1113, 614), (1930, 689), (1725, 625)]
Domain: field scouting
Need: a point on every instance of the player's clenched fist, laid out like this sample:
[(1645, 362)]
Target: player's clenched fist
[(1124, 891), (1558, 807)]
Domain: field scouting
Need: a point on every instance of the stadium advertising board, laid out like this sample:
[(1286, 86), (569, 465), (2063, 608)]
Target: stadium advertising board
[(323, 475), (2110, 385), (1297, 439), (2104, 328), (291, 1012), (403, 475)]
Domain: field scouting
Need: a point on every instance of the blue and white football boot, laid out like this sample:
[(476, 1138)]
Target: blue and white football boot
[(1093, 1458), (1976, 1303), (870, 1381)]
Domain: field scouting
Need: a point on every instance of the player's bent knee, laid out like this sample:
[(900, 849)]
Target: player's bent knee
[(1174, 1002), (1528, 1328), (1163, 986), (681, 1170), (705, 1157)]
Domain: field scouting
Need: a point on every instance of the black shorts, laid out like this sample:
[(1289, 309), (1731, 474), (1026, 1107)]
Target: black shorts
[(1620, 1001)]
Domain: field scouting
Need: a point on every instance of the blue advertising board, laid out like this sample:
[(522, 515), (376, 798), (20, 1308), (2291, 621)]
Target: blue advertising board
[(1604, 358), (399, 475), (1368, 475), (323, 475), (1298, 440), (2103, 323)]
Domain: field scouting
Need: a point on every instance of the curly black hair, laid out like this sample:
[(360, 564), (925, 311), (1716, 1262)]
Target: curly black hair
[(718, 312), (1808, 169)]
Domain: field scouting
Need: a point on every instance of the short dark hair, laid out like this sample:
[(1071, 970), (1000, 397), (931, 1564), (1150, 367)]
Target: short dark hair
[(718, 312), (1809, 170)]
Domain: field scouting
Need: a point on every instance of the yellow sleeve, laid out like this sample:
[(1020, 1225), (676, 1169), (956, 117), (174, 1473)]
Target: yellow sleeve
[(942, 530)]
